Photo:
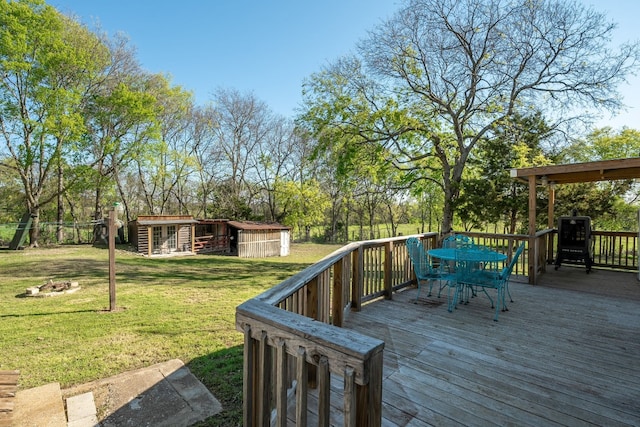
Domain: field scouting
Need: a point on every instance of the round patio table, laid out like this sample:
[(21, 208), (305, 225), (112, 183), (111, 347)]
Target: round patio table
[(449, 254)]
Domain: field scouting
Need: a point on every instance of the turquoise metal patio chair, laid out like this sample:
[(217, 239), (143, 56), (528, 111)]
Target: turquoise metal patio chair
[(489, 277), (457, 241), (510, 268), (424, 269)]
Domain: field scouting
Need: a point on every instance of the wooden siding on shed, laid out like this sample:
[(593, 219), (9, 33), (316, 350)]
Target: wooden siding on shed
[(143, 239), (258, 243), (184, 238)]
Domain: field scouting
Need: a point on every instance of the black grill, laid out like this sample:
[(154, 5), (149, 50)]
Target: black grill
[(574, 241)]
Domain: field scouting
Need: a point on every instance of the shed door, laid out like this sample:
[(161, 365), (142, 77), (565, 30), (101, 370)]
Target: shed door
[(284, 243)]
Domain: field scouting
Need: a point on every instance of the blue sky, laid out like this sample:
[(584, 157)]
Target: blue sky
[(269, 47)]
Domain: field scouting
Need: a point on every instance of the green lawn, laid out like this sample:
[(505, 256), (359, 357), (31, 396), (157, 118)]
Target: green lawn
[(180, 307)]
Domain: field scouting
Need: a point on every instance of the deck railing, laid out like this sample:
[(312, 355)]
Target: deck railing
[(294, 339), (615, 249), (610, 249), (211, 243)]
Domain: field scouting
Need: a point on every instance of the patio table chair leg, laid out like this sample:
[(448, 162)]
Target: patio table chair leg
[(499, 299), (506, 292), (453, 304)]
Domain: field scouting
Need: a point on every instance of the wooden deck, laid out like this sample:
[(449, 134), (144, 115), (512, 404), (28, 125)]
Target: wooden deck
[(567, 353)]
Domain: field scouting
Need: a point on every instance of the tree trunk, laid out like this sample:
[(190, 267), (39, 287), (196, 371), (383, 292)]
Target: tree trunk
[(97, 214), (346, 221), (60, 213), (447, 215), (34, 233)]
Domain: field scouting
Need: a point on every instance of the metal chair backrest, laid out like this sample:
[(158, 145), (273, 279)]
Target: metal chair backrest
[(418, 257), (457, 241), (507, 271)]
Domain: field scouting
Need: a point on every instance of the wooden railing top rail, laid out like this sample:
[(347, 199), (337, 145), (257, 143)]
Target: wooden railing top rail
[(495, 235), (593, 232), (292, 284), (346, 348), (543, 232), (614, 233)]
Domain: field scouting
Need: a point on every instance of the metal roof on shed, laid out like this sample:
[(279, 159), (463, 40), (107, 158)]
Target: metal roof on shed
[(246, 225), (166, 221)]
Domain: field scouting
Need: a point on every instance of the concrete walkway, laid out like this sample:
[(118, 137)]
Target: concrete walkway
[(165, 394)]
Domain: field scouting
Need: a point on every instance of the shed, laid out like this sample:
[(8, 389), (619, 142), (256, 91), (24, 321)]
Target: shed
[(162, 234), (258, 240)]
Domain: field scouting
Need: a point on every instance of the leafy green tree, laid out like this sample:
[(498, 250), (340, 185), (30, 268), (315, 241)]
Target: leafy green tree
[(611, 204), (604, 144), (440, 76), (165, 157), (339, 189), (489, 195), (47, 63), (306, 204), (427, 203), (122, 120), (11, 195)]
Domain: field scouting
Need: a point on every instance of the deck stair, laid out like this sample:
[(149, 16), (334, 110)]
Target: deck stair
[(8, 388)]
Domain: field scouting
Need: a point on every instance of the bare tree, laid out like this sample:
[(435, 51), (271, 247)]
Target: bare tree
[(440, 75), (209, 158), (243, 124)]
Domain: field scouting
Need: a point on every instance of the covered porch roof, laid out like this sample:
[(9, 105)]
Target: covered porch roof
[(604, 170)]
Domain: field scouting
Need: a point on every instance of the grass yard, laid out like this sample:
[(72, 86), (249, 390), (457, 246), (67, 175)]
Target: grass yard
[(179, 307)]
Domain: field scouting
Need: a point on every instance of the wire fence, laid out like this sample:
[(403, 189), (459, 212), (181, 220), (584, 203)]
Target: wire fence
[(61, 233)]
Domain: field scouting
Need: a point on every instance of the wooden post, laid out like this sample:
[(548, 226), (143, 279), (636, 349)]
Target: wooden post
[(550, 223), (281, 383), (264, 381), (311, 311), (337, 304), (249, 383), (149, 240), (358, 279), (369, 396), (324, 392), (532, 229), (302, 377), (112, 259), (388, 270), (193, 238), (552, 200), (350, 398)]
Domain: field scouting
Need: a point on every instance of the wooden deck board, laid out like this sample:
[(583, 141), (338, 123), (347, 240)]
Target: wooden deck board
[(8, 388), (560, 355)]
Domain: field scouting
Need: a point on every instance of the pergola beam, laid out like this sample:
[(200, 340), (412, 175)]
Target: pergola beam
[(605, 170)]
